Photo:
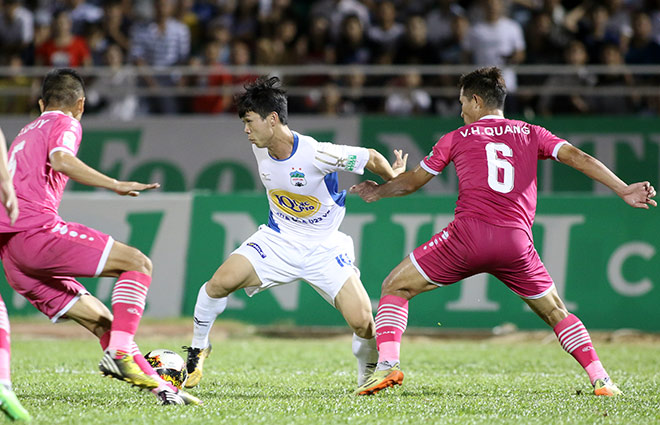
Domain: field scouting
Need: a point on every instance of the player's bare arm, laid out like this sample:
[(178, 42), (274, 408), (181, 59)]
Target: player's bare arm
[(7, 192), (637, 195), (402, 185), (378, 164), (77, 170)]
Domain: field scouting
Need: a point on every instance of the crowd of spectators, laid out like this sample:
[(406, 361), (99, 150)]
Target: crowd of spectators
[(124, 35)]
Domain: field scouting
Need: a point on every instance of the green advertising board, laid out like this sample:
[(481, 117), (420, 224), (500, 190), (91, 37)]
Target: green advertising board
[(600, 252)]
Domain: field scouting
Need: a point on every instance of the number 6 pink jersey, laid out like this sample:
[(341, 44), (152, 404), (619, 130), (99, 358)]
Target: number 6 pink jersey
[(496, 161), (38, 187)]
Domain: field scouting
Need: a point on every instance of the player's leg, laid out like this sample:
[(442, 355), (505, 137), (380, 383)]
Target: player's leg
[(235, 273), (574, 339), (401, 285), (9, 404), (524, 273), (354, 304)]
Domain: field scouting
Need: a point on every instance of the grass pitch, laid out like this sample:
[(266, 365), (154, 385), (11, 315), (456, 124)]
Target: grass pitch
[(256, 380)]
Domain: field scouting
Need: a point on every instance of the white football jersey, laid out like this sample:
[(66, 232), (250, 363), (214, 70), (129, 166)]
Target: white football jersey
[(302, 189)]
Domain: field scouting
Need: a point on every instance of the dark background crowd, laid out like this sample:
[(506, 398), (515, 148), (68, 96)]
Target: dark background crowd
[(124, 35)]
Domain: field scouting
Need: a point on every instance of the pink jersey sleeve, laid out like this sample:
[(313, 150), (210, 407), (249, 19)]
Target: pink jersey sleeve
[(548, 143), (65, 135), (438, 159)]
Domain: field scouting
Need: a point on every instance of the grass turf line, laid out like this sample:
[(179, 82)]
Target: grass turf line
[(282, 381)]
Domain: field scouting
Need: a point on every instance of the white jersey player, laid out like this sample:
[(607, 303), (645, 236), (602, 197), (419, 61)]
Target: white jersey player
[(301, 239)]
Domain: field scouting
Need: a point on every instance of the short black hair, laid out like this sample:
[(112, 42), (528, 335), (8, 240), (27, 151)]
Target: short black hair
[(62, 87), (488, 83), (263, 96)]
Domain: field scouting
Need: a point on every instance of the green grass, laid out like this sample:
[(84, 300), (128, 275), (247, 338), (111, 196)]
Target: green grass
[(254, 380)]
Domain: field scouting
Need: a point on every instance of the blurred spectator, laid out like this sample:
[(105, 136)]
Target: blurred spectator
[(336, 12), (594, 32), (218, 77), (16, 27), (544, 40), (653, 7), (453, 49), (272, 13), (409, 98), (414, 47), (318, 44), (63, 49), (268, 51), (385, 34), (615, 104), (286, 39), (18, 104), (97, 43), (439, 20), (82, 14), (184, 13), (352, 47), (245, 24), (330, 104), (499, 41), (161, 43), (116, 25), (218, 32), (619, 21), (575, 55), (642, 49), (113, 96)]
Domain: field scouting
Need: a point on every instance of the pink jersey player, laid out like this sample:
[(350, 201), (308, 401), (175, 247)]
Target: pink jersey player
[(38, 185), (496, 162), (42, 254)]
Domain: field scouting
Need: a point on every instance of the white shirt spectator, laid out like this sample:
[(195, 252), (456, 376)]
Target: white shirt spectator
[(492, 43), (169, 48), (85, 13)]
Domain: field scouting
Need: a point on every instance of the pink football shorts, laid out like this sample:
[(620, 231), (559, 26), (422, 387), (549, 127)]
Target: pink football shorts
[(41, 264), (468, 246)]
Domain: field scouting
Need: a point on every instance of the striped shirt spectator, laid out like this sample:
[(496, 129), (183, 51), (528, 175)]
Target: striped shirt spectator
[(161, 48)]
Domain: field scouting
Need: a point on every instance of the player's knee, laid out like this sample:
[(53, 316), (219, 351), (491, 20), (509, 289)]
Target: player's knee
[(364, 327), (216, 287)]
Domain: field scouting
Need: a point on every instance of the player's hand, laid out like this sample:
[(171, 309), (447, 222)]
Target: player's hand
[(368, 190), (9, 201), (400, 162), (639, 195), (133, 188)]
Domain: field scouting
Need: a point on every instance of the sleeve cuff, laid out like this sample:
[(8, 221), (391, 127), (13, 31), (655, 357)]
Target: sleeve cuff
[(427, 168)]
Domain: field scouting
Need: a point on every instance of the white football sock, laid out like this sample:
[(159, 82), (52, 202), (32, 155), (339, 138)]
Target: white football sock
[(366, 352), (206, 310)]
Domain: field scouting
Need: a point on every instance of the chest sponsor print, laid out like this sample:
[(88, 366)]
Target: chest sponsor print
[(294, 204)]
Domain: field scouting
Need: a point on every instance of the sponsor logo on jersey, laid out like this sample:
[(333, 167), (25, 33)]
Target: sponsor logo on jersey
[(350, 165), (295, 204), (257, 248), (343, 260), (298, 178)]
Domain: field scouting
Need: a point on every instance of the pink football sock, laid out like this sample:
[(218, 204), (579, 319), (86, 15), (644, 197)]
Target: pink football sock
[(128, 302), (575, 340), (391, 322)]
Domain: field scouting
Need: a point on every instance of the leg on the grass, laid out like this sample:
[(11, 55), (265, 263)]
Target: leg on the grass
[(234, 274), (354, 304), (402, 284), (574, 339)]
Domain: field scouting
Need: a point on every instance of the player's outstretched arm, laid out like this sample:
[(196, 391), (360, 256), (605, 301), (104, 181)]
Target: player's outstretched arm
[(637, 195), (77, 170), (401, 185), (7, 193), (378, 164)]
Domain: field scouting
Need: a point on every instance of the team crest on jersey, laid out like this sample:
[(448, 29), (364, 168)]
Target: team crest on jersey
[(294, 204), (298, 177)]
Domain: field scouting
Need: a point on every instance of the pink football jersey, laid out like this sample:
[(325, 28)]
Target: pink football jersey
[(38, 187), (496, 161)]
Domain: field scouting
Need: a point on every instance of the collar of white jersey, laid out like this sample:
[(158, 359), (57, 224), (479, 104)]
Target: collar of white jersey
[(491, 117)]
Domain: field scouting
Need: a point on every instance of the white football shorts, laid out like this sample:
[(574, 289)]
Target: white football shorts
[(278, 260)]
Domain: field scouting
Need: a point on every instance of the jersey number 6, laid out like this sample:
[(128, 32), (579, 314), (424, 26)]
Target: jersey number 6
[(495, 164)]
